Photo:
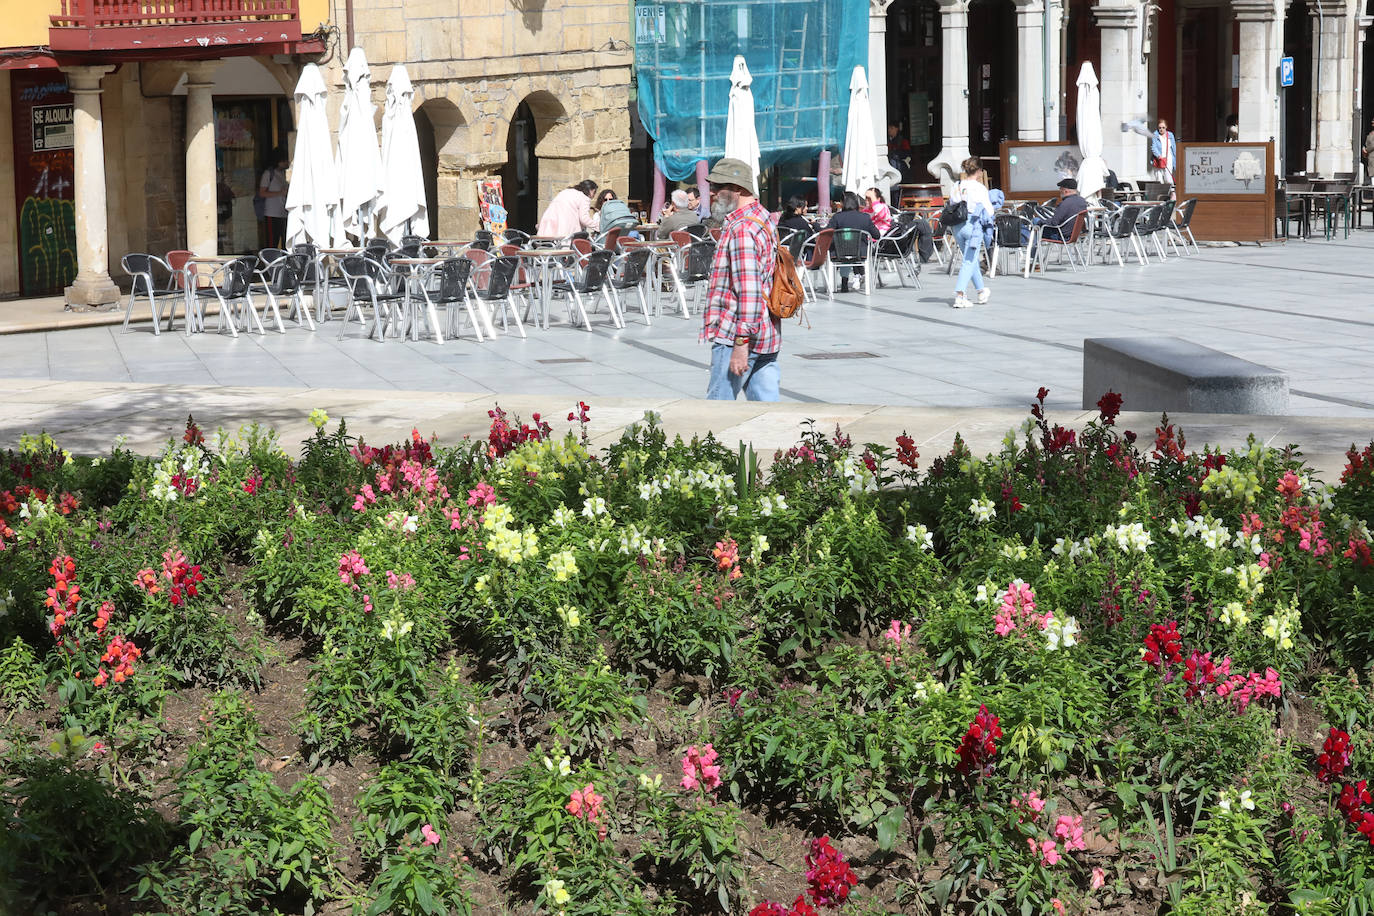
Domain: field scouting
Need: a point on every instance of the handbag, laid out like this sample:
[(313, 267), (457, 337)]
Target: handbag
[(954, 214)]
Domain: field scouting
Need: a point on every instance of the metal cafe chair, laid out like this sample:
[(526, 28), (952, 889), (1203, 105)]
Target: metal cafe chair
[(630, 271), (592, 281), (367, 284), (454, 290), (493, 287), (155, 280)]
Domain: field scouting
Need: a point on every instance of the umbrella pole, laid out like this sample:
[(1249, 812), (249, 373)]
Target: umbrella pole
[(823, 183), (660, 191)]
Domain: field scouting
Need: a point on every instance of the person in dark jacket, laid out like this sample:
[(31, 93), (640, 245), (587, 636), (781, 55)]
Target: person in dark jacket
[(794, 216), (851, 217)]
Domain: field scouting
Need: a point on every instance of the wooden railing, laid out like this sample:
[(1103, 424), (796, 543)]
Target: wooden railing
[(92, 14)]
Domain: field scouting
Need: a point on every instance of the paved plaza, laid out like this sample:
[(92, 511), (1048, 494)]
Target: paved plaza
[(908, 359), (1306, 308)]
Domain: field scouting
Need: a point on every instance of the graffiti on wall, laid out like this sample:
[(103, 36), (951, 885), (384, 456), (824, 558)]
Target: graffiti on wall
[(44, 177)]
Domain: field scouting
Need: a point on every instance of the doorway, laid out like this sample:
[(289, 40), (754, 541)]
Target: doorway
[(520, 177)]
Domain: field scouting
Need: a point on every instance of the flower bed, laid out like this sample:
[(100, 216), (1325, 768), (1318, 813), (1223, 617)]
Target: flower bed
[(1084, 674)]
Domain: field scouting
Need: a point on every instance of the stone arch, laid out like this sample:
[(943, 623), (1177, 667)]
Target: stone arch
[(444, 134)]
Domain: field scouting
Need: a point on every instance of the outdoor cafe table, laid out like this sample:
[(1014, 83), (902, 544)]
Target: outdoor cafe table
[(419, 272), (543, 260), (1310, 198), (195, 323), (664, 255), (323, 308)]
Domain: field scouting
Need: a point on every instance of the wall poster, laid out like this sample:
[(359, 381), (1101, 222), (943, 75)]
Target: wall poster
[(44, 180)]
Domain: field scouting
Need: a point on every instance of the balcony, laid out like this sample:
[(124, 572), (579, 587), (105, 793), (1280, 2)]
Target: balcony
[(197, 27)]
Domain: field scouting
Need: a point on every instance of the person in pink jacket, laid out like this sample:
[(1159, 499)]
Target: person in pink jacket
[(569, 212)]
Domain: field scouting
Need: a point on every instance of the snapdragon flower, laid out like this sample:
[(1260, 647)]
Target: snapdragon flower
[(982, 510), (563, 565), (921, 536), (1129, 537), (1061, 633)]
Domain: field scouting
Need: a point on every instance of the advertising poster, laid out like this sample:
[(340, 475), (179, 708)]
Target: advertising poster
[(492, 205)]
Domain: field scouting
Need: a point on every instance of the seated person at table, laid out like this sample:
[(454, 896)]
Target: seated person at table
[(615, 213), (1059, 224), (569, 211), (876, 207), (851, 217), (794, 216), (677, 215)]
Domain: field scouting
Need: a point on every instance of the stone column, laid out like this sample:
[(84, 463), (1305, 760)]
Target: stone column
[(1259, 64), (1054, 23), (877, 72), (92, 285), (202, 235), (954, 100), (1122, 99), (1030, 69), (1333, 66)]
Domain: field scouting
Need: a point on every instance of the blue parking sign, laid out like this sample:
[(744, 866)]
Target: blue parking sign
[(1286, 71)]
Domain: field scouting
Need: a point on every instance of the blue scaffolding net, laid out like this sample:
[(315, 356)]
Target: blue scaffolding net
[(800, 53)]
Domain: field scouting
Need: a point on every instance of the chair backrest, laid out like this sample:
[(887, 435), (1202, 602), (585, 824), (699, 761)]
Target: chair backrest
[(510, 249), (305, 248), (454, 274), (608, 241), (480, 243), (416, 240), (409, 250), (681, 237), (715, 234), (270, 256), (235, 276), (1008, 227), (1148, 220), (583, 247), (478, 256), (1079, 221), (176, 259), (633, 266), (516, 237), (285, 280), (580, 234), (355, 274), (594, 271), (1168, 215), (849, 246), (301, 268), (1123, 222), (820, 249), (375, 251), (500, 275), (696, 261), (794, 244), (140, 267), (1185, 212), (483, 234), (698, 230)]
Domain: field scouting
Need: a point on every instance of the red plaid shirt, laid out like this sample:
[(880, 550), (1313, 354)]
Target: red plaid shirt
[(741, 279)]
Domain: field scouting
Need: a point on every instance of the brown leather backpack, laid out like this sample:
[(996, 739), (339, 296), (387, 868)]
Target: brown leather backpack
[(787, 294)]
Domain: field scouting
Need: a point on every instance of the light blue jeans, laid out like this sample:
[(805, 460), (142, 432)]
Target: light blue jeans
[(760, 381), (969, 238)]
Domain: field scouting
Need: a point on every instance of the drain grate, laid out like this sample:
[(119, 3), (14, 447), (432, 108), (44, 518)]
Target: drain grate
[(564, 361), (843, 354)]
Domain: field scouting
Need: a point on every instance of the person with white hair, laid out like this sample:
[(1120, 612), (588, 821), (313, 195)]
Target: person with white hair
[(677, 214)]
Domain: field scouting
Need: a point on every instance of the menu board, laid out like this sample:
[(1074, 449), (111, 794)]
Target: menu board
[(1229, 168), (1037, 168)]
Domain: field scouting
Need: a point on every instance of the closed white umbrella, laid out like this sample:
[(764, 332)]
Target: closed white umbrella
[(741, 134), (403, 186), (862, 170), (1092, 171), (312, 200), (359, 161)]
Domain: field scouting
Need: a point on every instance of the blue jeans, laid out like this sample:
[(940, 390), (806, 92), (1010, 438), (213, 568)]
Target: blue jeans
[(760, 381), (969, 238)]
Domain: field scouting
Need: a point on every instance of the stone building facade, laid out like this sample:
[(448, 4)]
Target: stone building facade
[(504, 80)]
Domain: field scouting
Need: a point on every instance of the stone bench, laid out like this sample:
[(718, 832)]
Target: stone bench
[(1170, 373)]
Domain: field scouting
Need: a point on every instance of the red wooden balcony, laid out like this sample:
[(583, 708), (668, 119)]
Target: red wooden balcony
[(193, 25)]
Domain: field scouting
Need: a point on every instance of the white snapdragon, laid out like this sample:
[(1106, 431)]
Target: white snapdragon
[(770, 504), (1129, 537), (921, 536), (396, 627), (758, 548), (1061, 633), (1013, 551), (563, 516), (982, 510), (593, 507), (860, 478), (1073, 549)]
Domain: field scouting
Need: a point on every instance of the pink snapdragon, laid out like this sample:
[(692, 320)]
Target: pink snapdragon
[(1099, 879), (585, 805), (898, 634), (1244, 689), (699, 768), (365, 497), (1048, 851), (1070, 830), (1028, 804), (484, 494), (1017, 613), (405, 581), (351, 567), (430, 834)]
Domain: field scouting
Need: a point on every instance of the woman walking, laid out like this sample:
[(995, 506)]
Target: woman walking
[(1163, 156), (969, 234)]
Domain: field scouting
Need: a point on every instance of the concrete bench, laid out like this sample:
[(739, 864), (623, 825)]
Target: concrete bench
[(1170, 373)]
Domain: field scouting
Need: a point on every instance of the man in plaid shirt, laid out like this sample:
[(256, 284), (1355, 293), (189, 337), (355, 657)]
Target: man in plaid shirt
[(745, 337)]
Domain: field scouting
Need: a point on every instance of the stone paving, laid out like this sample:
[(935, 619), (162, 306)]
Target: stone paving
[(1305, 308)]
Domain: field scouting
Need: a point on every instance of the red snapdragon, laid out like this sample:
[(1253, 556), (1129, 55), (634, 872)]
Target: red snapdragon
[(979, 746)]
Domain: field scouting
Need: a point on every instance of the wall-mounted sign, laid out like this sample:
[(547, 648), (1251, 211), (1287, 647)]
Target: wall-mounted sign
[(1234, 168), (651, 25), (52, 127)]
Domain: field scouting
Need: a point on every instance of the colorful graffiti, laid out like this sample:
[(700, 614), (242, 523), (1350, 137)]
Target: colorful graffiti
[(47, 227)]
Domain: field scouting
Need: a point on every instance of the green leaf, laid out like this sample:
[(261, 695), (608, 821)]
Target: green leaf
[(889, 825)]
